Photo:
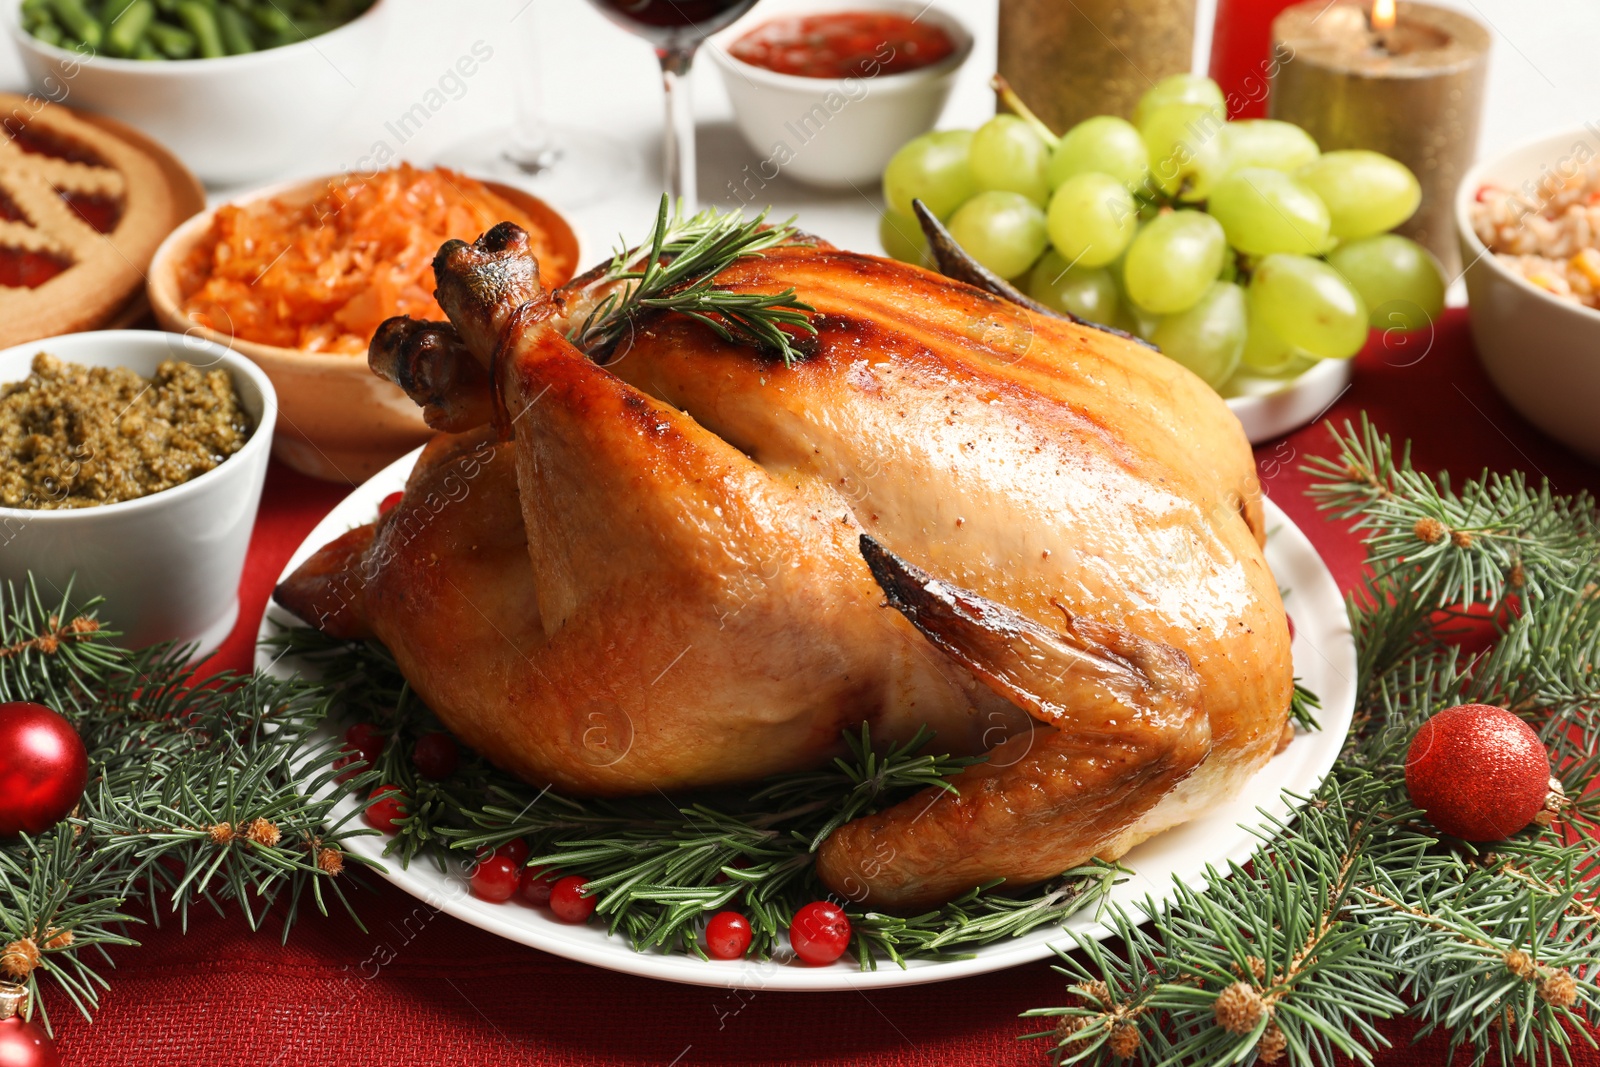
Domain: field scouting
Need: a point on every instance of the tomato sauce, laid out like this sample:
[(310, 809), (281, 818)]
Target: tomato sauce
[(842, 44)]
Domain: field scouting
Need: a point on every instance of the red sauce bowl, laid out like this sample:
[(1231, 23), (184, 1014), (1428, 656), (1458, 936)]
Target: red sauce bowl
[(829, 106)]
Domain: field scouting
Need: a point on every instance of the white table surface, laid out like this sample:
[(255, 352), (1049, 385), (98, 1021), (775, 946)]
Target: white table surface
[(1543, 77)]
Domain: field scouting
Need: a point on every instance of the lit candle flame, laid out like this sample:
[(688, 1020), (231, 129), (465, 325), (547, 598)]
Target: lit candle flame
[(1382, 15)]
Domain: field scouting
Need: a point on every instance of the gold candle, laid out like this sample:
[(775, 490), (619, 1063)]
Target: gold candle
[(1406, 80), (1071, 59)]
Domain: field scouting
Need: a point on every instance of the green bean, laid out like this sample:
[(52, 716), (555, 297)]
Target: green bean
[(182, 29), (129, 28), (77, 21), (173, 41), (271, 20), (304, 28), (201, 21), (235, 31), (112, 11)]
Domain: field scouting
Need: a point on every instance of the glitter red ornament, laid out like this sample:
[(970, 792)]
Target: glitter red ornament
[(43, 769), (22, 1043), (1480, 773)]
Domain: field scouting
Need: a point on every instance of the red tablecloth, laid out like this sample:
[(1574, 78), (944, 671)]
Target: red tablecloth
[(422, 988)]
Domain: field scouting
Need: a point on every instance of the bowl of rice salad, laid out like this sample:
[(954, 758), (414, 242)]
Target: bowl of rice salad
[(1529, 227)]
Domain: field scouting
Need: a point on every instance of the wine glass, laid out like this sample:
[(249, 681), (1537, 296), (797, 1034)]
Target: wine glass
[(564, 164), (676, 28)]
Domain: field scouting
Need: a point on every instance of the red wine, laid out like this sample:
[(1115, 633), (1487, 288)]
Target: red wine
[(673, 23)]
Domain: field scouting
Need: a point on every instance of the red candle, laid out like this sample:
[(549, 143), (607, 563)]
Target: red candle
[(1241, 53)]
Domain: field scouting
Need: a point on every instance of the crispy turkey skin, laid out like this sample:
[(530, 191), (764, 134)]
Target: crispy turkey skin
[(694, 565)]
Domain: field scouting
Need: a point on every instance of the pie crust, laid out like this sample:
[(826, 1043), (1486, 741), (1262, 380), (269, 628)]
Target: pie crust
[(102, 270)]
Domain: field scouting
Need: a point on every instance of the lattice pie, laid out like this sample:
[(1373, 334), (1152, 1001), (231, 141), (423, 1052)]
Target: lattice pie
[(81, 213)]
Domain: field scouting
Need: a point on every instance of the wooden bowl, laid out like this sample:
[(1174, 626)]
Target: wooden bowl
[(337, 420)]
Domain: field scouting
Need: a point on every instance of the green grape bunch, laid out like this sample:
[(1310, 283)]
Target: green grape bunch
[(1240, 249)]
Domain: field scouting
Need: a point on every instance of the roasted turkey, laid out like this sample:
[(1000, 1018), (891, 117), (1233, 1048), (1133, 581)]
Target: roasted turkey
[(685, 564)]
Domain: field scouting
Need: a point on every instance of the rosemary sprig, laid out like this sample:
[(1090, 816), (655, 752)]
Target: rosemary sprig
[(662, 866), (676, 268)]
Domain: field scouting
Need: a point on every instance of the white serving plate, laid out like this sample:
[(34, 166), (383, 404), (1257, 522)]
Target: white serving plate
[(1324, 660), (1272, 407)]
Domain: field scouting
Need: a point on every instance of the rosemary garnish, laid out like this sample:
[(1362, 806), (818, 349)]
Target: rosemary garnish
[(675, 270), (662, 866)]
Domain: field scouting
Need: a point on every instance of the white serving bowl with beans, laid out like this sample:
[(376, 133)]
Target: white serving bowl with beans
[(231, 118), (168, 564)]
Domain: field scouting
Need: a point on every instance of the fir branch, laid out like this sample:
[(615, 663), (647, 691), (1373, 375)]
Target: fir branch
[(1303, 707), (1457, 547), (1361, 909), (676, 268), (53, 653), (173, 763)]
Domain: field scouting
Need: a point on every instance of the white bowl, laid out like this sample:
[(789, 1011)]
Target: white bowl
[(836, 132), (168, 564), (1542, 352), (230, 119)]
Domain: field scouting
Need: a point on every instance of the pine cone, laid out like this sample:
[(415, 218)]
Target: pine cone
[(1238, 1008), (1068, 1029), (1272, 1045), (58, 938), (1258, 968), (264, 832), (331, 861), (1559, 990), (18, 959), (1430, 530), (1520, 964), (1124, 1041), (221, 833), (1093, 994)]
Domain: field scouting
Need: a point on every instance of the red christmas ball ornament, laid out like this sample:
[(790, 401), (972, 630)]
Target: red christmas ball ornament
[(22, 1043), (43, 769), (1480, 773)]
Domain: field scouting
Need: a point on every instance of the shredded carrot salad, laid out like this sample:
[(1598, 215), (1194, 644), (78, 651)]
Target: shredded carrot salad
[(321, 276)]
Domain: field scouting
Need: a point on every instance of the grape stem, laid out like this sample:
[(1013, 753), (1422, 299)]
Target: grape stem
[(1008, 97)]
